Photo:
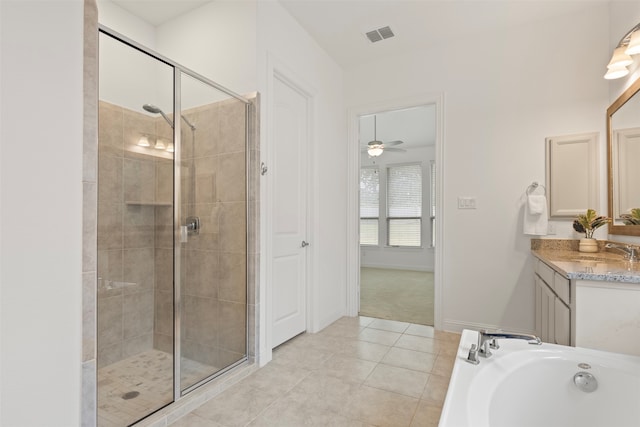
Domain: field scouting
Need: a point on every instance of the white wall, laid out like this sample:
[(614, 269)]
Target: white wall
[(217, 40), (381, 256), (41, 212), (122, 67), (501, 98), (127, 24), (281, 40)]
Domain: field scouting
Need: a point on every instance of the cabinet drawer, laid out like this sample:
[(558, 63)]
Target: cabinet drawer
[(561, 286), (545, 272)]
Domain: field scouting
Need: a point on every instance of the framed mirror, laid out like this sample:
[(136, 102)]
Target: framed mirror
[(623, 147)]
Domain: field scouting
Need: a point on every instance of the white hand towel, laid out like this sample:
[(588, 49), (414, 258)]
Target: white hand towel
[(536, 224), (537, 204)]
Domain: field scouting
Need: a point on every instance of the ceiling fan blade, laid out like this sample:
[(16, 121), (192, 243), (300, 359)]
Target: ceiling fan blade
[(392, 143), (396, 150)]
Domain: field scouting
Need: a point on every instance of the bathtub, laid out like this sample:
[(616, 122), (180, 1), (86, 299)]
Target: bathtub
[(523, 385)]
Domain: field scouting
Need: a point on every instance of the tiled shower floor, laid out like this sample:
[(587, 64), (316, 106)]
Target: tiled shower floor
[(151, 374)]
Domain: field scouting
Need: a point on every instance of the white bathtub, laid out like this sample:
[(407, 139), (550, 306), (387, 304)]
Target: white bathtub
[(523, 385)]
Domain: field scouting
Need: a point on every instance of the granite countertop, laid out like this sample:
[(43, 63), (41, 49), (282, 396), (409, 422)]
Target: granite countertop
[(599, 266)]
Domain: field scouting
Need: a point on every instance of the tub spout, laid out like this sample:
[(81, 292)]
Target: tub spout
[(487, 340)]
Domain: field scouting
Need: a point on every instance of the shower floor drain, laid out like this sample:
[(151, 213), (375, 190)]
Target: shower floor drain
[(130, 395)]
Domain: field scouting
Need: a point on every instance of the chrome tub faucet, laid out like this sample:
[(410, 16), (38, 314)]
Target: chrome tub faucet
[(487, 341), (631, 252)]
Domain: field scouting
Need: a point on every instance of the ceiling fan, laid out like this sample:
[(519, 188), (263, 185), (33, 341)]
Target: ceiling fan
[(375, 148)]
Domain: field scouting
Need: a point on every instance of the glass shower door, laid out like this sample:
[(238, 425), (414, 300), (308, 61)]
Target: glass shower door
[(212, 238), (172, 231), (135, 338)]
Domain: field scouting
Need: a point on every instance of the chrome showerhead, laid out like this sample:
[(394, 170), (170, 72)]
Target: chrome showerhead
[(151, 108), (156, 110)]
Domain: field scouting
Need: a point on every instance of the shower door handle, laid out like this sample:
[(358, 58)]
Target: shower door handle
[(193, 225), (304, 244)]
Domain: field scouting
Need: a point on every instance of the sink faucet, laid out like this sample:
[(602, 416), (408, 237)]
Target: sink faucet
[(631, 253), (487, 341)]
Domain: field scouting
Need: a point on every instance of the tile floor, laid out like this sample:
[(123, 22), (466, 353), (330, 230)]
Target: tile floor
[(356, 372)]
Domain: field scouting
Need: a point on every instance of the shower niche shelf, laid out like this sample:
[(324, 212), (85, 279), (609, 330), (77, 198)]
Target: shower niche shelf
[(139, 203)]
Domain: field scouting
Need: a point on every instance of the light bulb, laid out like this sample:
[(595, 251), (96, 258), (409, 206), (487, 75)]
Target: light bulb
[(616, 73), (619, 58), (634, 44), (170, 147), (159, 145), (144, 141)]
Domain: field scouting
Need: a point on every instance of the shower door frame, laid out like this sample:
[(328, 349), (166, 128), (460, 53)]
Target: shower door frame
[(178, 71)]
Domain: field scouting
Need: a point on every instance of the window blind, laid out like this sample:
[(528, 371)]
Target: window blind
[(369, 205), (404, 205)]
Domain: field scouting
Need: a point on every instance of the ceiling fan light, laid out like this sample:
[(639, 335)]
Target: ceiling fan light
[(634, 44), (616, 72), (375, 151), (619, 58)]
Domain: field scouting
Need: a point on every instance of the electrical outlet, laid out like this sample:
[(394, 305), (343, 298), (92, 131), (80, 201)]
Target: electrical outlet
[(466, 202), (551, 229)]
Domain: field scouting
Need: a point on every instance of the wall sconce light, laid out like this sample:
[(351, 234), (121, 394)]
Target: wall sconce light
[(144, 141), (621, 59)]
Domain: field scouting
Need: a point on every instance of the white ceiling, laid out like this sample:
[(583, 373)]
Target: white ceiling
[(157, 12), (339, 26)]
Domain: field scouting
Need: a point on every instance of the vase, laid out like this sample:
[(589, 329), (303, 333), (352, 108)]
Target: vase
[(588, 245)]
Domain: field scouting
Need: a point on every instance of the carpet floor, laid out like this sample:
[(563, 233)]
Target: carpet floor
[(402, 295)]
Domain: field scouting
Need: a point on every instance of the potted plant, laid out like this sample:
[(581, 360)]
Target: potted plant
[(587, 224)]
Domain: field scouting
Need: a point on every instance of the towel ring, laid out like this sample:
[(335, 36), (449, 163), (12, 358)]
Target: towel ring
[(534, 186)]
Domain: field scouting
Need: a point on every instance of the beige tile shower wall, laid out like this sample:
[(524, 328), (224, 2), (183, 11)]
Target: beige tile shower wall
[(253, 228), (214, 287), (131, 183), (89, 214)]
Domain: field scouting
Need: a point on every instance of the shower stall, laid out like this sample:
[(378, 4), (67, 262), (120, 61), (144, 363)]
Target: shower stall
[(173, 240)]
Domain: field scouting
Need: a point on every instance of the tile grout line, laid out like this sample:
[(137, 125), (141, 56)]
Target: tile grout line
[(279, 398)]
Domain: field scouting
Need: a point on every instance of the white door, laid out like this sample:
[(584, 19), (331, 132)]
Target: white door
[(289, 172)]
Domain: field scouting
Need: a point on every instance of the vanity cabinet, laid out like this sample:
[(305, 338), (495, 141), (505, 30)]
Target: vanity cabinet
[(553, 302)]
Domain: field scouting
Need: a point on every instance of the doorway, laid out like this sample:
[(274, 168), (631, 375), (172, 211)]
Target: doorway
[(397, 208)]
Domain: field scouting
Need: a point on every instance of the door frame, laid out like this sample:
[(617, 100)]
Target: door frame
[(353, 203), (276, 69)]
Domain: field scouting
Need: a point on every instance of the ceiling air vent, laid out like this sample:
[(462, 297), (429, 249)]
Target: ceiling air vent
[(379, 34)]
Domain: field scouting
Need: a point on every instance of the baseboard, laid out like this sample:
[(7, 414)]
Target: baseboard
[(428, 268), (326, 321)]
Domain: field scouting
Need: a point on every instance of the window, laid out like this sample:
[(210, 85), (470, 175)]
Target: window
[(404, 205), (369, 205)]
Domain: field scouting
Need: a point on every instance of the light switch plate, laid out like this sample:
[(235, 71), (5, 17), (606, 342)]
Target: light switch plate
[(466, 202)]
